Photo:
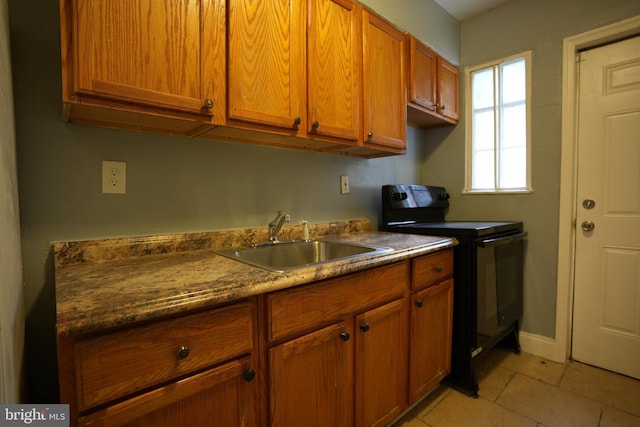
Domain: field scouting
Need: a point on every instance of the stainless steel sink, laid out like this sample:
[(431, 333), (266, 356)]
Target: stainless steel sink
[(292, 255)]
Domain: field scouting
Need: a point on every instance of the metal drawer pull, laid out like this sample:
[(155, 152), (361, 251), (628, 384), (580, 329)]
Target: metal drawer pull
[(438, 268), (419, 303), (364, 327), (344, 336), (248, 374), (182, 352)]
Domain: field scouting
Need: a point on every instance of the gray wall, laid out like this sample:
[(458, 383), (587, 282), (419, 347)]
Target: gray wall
[(519, 25), (173, 184)]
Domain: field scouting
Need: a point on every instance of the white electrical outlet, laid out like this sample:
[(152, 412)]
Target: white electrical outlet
[(344, 184), (114, 177)]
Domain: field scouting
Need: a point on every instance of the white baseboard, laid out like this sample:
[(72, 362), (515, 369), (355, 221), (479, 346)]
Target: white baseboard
[(541, 346)]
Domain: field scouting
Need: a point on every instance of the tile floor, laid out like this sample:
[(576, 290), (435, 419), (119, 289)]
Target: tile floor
[(526, 390)]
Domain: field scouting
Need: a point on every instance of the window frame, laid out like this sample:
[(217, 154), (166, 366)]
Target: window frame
[(527, 55)]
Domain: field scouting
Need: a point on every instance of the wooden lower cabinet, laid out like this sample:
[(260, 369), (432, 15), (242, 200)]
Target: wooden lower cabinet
[(199, 369), (380, 364), (350, 372), (353, 350), (311, 379), (430, 341), (221, 396)]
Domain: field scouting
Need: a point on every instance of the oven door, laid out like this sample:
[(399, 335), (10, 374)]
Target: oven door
[(499, 265)]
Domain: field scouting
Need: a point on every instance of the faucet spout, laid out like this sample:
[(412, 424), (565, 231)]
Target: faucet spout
[(276, 225)]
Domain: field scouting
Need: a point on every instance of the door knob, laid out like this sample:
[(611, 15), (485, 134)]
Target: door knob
[(588, 226), (588, 204)]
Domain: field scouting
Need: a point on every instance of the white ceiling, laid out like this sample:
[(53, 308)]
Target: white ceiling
[(463, 9)]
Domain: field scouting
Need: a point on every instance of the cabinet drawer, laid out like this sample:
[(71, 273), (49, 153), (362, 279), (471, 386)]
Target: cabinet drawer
[(430, 269), (120, 363), (304, 308)]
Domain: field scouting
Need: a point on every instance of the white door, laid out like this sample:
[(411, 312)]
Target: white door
[(606, 317)]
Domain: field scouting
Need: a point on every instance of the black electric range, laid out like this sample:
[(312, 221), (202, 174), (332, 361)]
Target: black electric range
[(488, 265)]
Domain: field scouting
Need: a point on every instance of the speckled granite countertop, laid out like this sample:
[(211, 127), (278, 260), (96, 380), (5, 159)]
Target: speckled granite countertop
[(105, 283)]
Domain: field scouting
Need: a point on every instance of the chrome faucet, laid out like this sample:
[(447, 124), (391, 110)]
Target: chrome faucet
[(276, 225)]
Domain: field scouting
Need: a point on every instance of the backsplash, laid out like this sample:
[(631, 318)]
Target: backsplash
[(91, 251)]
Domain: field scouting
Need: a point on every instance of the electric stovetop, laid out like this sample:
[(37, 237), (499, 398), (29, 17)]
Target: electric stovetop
[(421, 209)]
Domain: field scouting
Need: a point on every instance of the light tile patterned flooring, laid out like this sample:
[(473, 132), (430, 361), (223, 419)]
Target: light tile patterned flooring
[(526, 390)]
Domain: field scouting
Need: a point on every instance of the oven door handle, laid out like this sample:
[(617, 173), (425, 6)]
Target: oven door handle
[(487, 243)]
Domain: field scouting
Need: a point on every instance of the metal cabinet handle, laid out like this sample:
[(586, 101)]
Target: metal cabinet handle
[(370, 135), (588, 226), (315, 125), (344, 336), (438, 268), (208, 103), (419, 303), (248, 374), (182, 352), (364, 327), (296, 122)]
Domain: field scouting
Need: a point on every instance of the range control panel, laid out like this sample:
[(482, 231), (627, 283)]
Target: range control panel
[(407, 196), (407, 203)]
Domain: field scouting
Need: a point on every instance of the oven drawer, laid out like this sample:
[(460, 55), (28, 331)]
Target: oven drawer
[(430, 269)]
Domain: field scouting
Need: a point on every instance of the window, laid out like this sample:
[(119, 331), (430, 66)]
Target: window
[(498, 126)]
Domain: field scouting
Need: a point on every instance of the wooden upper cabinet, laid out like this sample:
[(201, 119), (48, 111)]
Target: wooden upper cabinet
[(423, 66), (143, 52), (334, 82), (385, 111), (266, 62), (448, 103), (433, 87)]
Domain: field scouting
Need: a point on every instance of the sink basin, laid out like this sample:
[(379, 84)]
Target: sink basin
[(287, 256)]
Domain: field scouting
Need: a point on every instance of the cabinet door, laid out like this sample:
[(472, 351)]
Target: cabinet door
[(334, 67), (381, 365), (430, 342), (224, 396), (311, 379), (266, 62), (146, 52), (385, 107), (422, 75), (447, 89)]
